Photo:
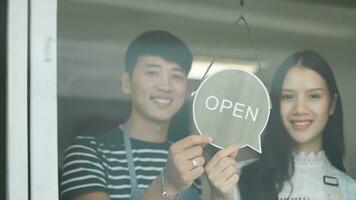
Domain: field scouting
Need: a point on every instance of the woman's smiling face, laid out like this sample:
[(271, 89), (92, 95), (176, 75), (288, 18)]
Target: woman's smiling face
[(306, 105)]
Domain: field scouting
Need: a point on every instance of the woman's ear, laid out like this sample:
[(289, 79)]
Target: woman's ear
[(125, 83), (333, 104)]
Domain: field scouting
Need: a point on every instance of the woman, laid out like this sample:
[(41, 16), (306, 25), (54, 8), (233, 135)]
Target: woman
[(303, 146)]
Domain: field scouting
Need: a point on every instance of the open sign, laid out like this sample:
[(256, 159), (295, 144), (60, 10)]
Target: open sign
[(236, 111), (231, 106)]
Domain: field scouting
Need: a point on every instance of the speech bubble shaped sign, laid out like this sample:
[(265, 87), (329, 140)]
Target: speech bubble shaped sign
[(231, 106)]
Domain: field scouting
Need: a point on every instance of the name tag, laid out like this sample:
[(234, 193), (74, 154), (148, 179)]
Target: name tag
[(330, 180)]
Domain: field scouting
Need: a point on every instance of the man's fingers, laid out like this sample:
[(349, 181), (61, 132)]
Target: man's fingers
[(188, 178), (192, 152), (192, 141), (195, 173)]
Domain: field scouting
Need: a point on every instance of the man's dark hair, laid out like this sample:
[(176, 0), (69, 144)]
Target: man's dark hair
[(158, 43)]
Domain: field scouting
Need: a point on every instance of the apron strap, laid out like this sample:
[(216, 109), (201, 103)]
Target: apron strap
[(190, 193), (129, 157), (331, 183)]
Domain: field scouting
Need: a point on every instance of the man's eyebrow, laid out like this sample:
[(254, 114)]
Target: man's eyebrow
[(153, 65), (178, 69)]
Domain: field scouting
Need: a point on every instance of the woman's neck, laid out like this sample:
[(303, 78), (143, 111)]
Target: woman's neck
[(313, 146)]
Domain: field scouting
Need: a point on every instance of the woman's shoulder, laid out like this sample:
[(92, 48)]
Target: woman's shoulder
[(345, 178), (347, 184)]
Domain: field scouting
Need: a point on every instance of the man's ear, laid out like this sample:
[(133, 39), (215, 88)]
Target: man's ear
[(125, 83), (333, 104)]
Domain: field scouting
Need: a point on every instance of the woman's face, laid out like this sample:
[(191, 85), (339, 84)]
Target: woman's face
[(305, 107)]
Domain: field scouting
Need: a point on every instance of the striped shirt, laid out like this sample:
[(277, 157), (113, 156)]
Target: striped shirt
[(95, 164)]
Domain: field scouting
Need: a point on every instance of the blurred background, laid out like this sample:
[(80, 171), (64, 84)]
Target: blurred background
[(93, 36)]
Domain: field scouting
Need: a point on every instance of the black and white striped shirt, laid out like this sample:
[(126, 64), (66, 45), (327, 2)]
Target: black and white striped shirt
[(95, 164)]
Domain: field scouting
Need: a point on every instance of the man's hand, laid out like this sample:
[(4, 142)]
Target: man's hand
[(185, 163)]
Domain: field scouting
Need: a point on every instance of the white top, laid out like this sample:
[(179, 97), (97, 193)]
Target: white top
[(307, 180)]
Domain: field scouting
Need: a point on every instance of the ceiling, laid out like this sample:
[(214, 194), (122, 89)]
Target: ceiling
[(93, 35)]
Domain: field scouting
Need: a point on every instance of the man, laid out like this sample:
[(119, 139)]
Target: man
[(135, 160)]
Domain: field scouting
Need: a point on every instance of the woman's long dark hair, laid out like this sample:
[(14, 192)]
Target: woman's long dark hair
[(264, 178)]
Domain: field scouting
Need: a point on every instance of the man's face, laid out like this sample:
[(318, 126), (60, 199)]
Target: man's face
[(157, 88)]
